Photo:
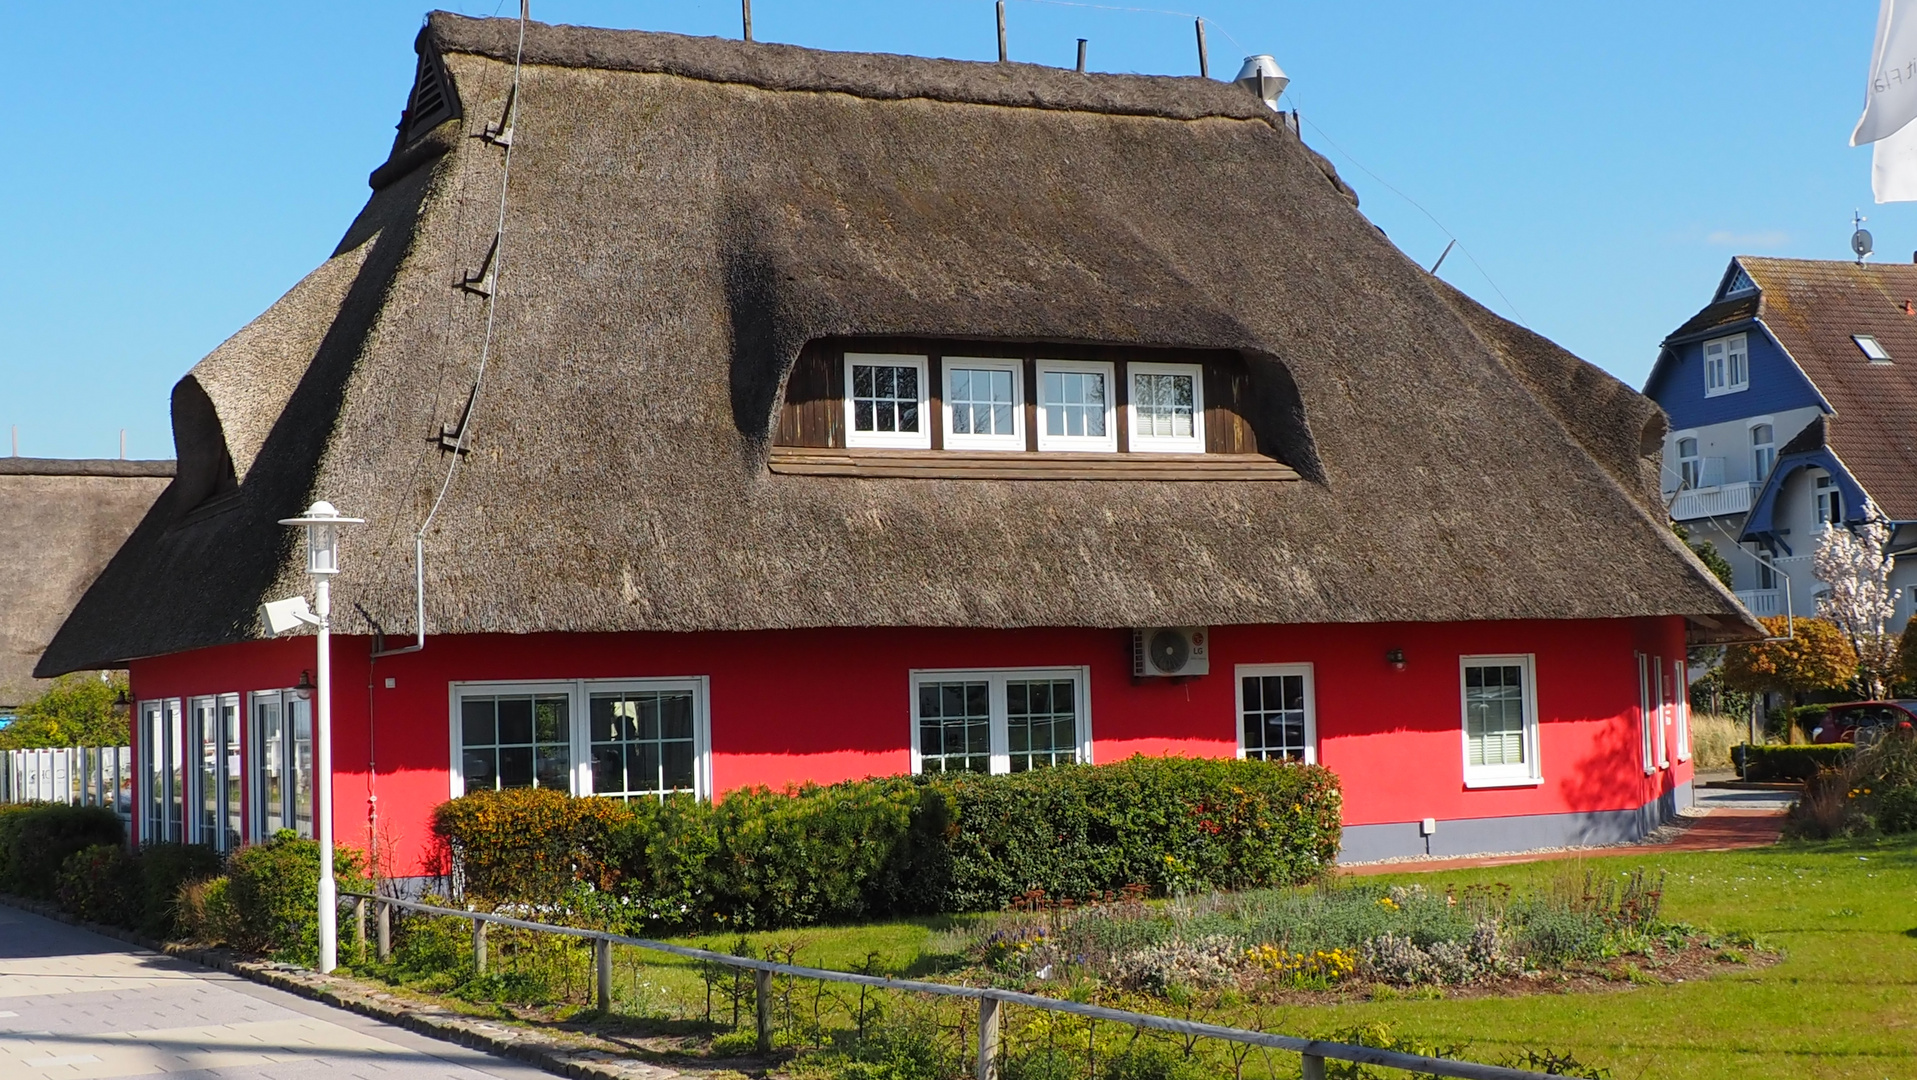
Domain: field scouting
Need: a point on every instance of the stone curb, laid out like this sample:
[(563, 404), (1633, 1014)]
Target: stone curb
[(524, 1045)]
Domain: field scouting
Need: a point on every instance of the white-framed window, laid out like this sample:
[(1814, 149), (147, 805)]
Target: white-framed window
[(1827, 502), (1690, 467), (1763, 450), (1500, 721), (1166, 408), (1646, 716), (1075, 406), (620, 738), (1277, 713), (984, 403), (280, 761), (1662, 733), (1000, 721), (1727, 365), (161, 745), (1681, 709), (886, 398), (213, 734)]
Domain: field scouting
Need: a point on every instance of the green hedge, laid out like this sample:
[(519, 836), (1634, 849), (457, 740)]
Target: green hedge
[(1781, 763), (761, 859), (272, 889), (36, 839)]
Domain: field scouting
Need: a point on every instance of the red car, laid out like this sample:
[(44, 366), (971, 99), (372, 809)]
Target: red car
[(1864, 722)]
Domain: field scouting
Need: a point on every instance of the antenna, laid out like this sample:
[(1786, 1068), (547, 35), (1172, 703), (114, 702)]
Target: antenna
[(1204, 60), (122, 444), (746, 5), (1860, 242)]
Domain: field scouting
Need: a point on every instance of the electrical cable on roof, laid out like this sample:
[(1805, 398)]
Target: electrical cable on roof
[(498, 259), (1420, 207)]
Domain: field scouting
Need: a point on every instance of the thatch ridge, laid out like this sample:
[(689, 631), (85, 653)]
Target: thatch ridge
[(675, 240), (31, 466)]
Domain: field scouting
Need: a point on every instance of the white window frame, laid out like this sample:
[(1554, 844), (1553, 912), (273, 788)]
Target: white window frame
[(1527, 773), (1012, 442), (168, 717), (1106, 443), (253, 816), (579, 723), (1644, 713), (1000, 741), (1694, 476), (1681, 709), (1730, 373), (1244, 671), (1872, 348), (1165, 444), (1823, 508), (1663, 716), (896, 440), (1770, 448)]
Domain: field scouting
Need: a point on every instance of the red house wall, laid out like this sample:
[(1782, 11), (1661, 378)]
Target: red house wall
[(835, 704)]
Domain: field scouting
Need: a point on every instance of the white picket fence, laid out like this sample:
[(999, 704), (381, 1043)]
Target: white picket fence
[(76, 775)]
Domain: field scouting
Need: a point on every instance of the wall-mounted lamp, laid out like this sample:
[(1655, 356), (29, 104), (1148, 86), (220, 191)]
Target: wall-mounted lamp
[(1395, 657), (122, 704), (304, 688)]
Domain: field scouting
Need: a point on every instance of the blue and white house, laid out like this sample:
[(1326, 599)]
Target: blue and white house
[(1792, 399)]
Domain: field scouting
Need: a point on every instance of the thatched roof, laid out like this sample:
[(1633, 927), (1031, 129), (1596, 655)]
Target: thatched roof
[(60, 521), (685, 215)]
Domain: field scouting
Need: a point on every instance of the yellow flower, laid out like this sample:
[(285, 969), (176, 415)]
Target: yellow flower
[(1388, 903)]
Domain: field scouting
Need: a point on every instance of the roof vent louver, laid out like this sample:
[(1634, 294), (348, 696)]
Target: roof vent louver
[(432, 101), (1737, 281)]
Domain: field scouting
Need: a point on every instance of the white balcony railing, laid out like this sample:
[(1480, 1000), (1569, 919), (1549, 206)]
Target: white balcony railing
[(1763, 602), (1713, 501)]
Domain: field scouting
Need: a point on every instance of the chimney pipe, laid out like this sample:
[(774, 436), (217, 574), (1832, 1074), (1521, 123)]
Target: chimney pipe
[(1081, 54)]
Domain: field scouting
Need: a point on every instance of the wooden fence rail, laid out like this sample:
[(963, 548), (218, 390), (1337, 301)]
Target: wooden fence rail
[(1313, 1052)]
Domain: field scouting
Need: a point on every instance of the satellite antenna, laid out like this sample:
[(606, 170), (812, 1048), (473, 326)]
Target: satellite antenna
[(1860, 243)]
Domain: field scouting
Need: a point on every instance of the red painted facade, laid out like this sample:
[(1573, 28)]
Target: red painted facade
[(835, 704)]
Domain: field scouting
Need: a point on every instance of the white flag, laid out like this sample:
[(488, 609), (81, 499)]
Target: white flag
[(1891, 101), (1893, 167)]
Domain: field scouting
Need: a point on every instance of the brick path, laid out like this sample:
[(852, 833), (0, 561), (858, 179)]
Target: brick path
[(77, 1005)]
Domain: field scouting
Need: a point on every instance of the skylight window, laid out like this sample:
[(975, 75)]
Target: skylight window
[(1876, 352)]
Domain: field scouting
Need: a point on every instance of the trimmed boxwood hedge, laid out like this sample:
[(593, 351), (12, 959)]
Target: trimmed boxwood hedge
[(1782, 763), (761, 859)]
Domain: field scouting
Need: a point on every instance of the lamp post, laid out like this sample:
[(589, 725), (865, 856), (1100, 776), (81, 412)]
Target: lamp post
[(322, 524)]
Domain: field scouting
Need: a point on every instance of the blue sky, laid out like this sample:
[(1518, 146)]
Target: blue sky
[(172, 169)]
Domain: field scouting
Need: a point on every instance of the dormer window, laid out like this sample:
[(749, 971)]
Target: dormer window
[(885, 401), (1727, 366), (1168, 408), (1827, 501), (1075, 406), (900, 407), (983, 404)]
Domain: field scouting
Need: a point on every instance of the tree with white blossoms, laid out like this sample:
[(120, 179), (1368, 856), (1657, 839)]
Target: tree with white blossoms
[(1855, 563)]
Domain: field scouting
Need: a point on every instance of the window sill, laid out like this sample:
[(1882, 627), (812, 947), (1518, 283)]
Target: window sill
[(1022, 465), (1502, 781)]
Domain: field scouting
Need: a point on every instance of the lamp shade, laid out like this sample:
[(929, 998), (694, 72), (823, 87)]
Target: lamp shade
[(322, 524)]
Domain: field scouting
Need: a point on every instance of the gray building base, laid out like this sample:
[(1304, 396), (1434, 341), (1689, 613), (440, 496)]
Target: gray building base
[(1504, 835)]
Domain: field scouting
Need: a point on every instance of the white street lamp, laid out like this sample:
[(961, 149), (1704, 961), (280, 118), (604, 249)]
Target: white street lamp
[(322, 562)]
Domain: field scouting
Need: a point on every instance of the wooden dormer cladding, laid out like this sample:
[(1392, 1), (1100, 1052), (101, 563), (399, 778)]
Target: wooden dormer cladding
[(810, 437)]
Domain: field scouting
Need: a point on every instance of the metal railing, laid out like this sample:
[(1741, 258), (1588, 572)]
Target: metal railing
[(74, 775), (1313, 1052)]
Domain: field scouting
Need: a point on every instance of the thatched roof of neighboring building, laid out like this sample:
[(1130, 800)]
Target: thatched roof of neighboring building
[(60, 521), (685, 215)]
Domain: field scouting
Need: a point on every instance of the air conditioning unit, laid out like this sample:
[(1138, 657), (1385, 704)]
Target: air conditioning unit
[(1171, 650)]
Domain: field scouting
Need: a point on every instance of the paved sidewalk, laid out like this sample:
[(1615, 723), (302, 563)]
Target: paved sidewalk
[(77, 1005)]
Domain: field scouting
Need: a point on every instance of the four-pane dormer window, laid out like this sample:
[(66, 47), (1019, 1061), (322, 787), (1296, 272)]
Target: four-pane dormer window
[(885, 401), (1168, 408), (1727, 365)]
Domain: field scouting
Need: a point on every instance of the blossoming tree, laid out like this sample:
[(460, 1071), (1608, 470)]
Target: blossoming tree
[(1855, 564)]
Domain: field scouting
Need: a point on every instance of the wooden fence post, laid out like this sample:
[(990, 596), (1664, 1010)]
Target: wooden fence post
[(602, 961), (479, 946), (359, 925), (385, 932), (988, 1038), (762, 993), (1314, 1067)]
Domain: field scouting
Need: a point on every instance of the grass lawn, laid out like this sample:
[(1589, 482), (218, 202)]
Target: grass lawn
[(1841, 1003)]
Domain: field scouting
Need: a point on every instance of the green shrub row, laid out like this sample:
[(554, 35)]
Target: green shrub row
[(904, 845), (36, 839), (139, 889), (1782, 763)]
